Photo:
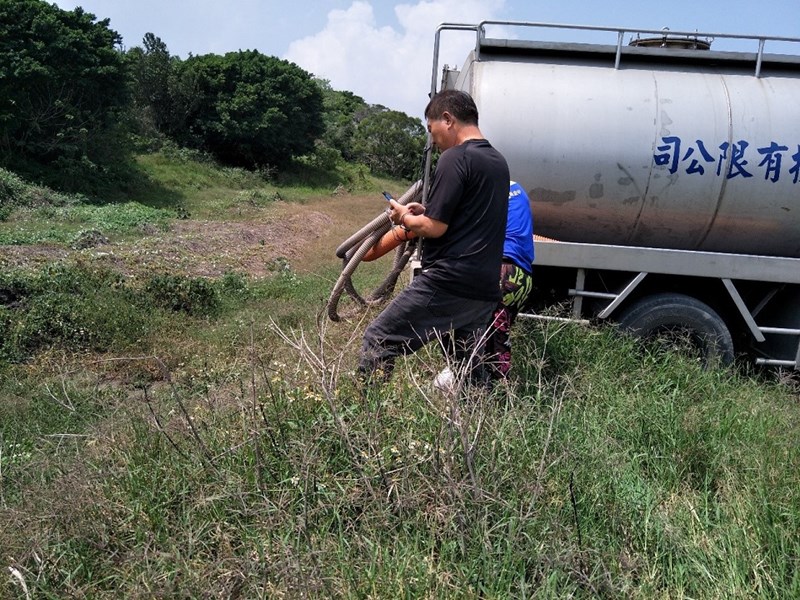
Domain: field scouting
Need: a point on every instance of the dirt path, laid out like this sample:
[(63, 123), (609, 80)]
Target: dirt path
[(303, 235)]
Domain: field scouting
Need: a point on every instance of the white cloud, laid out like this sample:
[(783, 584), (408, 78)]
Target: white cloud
[(382, 64)]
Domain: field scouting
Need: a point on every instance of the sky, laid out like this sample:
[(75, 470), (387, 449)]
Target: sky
[(382, 50)]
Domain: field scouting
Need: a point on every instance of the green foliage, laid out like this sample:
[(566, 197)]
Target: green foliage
[(73, 108), (150, 70), (257, 197), (191, 295), (65, 223), (78, 308), (16, 192), (113, 218), (67, 307), (164, 94), (342, 111), (324, 159), (62, 87), (197, 186), (251, 109), (233, 286), (391, 143)]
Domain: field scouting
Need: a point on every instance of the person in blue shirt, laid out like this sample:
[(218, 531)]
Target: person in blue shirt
[(515, 285), (516, 280)]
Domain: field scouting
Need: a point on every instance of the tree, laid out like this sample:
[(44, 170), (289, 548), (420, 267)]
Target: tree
[(253, 109), (390, 142), (62, 86), (164, 94), (150, 69), (342, 111)]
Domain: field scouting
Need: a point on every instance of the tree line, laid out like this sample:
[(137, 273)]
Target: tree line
[(75, 106)]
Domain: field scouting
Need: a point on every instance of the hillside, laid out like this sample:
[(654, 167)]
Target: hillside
[(179, 419)]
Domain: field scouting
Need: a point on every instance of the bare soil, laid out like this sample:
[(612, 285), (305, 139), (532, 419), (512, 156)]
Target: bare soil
[(302, 235)]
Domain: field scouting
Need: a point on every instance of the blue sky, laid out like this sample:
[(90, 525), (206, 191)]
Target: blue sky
[(382, 49)]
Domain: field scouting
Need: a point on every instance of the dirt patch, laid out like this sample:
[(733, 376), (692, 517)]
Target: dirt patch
[(210, 249), (302, 235)]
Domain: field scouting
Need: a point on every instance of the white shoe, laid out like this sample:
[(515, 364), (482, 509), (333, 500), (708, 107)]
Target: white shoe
[(445, 381)]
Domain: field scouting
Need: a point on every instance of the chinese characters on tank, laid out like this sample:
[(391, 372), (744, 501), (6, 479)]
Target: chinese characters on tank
[(738, 159)]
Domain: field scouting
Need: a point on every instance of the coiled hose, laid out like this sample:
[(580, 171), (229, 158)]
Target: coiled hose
[(353, 249)]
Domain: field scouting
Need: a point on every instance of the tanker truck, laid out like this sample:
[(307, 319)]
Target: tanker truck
[(664, 177)]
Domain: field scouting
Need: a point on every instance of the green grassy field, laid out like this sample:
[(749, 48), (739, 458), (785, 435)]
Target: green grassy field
[(166, 433)]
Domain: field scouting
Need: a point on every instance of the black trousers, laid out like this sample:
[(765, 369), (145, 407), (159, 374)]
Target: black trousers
[(421, 314)]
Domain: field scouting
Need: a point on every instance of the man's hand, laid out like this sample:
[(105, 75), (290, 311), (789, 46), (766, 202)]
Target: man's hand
[(411, 218), (396, 211)]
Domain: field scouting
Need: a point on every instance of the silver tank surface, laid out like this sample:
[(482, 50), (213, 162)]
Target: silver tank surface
[(683, 149)]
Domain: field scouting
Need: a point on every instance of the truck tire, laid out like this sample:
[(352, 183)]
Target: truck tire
[(678, 315)]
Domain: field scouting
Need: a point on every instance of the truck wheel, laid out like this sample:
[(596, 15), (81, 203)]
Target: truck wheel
[(678, 317)]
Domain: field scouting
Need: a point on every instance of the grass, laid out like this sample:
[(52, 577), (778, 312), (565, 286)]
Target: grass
[(67, 224), (259, 471), (205, 190), (229, 453)]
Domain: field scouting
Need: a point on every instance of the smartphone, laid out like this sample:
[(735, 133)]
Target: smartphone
[(388, 196)]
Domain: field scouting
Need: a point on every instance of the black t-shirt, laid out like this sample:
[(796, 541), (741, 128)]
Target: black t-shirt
[(469, 193)]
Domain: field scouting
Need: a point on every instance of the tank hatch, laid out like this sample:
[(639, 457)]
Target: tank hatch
[(668, 40)]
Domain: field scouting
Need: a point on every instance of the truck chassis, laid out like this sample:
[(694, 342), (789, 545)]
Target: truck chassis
[(760, 306)]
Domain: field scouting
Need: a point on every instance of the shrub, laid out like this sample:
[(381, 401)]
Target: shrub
[(130, 216), (191, 295), (66, 320), (15, 191), (69, 307), (14, 286), (234, 285), (11, 188)]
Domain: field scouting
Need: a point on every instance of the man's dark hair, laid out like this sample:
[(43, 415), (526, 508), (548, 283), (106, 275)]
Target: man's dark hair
[(457, 103)]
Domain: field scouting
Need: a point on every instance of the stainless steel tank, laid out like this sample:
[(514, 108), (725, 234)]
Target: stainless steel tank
[(683, 149)]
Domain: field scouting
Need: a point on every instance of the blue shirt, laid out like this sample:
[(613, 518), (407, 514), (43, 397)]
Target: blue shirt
[(518, 245)]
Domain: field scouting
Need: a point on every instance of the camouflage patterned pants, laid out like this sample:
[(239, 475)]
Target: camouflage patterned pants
[(515, 285)]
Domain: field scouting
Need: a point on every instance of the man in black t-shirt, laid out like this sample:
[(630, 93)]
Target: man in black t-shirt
[(462, 227)]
